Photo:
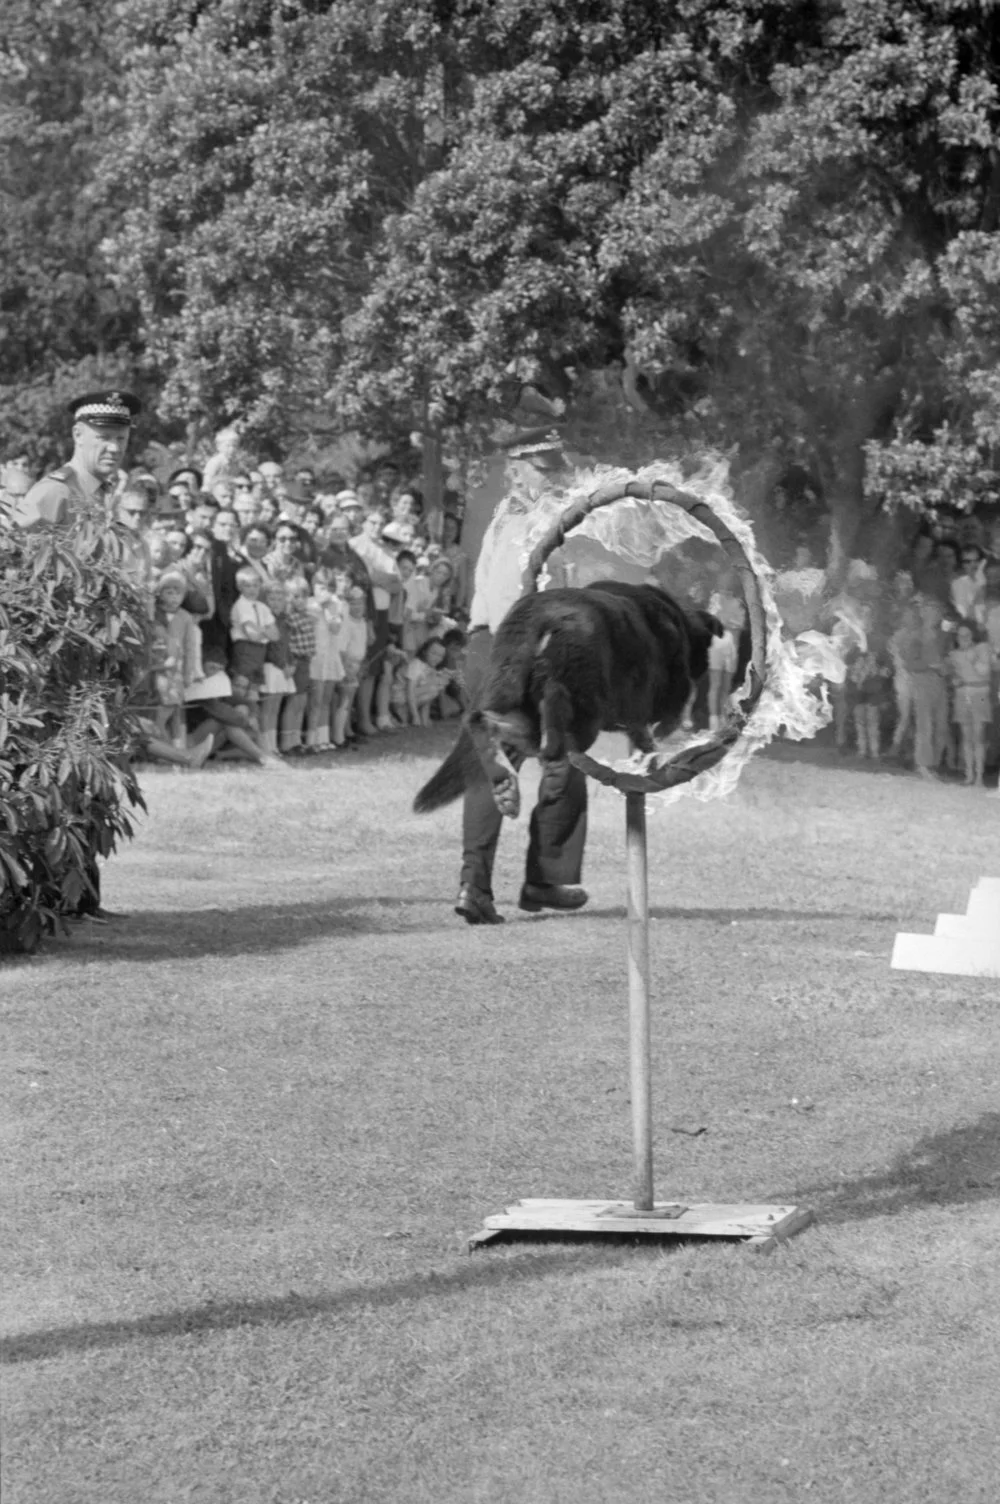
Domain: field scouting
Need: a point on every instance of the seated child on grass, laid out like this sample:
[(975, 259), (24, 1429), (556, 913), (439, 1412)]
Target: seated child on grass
[(421, 683)]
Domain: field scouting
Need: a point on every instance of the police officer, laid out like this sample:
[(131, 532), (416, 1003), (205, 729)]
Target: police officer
[(102, 425)]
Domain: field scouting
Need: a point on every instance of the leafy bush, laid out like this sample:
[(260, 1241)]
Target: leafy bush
[(73, 633)]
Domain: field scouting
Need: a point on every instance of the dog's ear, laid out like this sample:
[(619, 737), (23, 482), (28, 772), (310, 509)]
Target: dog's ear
[(712, 624)]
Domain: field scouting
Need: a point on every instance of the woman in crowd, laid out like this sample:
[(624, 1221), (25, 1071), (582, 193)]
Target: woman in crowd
[(386, 585), (441, 577), (255, 545), (969, 671), (283, 562), (196, 567)]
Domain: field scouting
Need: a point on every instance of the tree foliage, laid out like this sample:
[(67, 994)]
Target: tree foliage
[(72, 630), (778, 218), (65, 324)]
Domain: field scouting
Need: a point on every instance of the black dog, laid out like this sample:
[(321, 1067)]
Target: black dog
[(567, 664)]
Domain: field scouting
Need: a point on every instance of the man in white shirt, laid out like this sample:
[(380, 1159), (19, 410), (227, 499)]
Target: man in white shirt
[(968, 589), (558, 827)]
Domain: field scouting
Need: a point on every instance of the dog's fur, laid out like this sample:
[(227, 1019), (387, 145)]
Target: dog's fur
[(567, 664)]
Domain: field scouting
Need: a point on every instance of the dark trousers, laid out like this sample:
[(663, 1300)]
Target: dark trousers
[(89, 902), (558, 828)]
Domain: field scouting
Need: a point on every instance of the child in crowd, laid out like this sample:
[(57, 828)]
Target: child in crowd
[(251, 627), (426, 678), (867, 678), (454, 699), (417, 600), (969, 671), (326, 667), (354, 640), (179, 663), (302, 645), (278, 683)]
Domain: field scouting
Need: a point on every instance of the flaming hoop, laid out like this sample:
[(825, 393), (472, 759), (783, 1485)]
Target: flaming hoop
[(778, 692), (654, 772)]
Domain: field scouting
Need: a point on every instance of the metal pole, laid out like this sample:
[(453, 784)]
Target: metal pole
[(638, 999)]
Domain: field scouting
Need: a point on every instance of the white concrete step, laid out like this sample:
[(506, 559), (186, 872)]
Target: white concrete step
[(961, 927), (984, 908), (953, 955)]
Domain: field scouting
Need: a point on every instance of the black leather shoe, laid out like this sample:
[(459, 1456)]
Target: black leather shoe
[(535, 896), (476, 907)]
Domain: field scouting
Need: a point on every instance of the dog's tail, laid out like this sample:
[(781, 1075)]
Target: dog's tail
[(452, 778)]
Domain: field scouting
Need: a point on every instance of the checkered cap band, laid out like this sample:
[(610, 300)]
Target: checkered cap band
[(107, 412)]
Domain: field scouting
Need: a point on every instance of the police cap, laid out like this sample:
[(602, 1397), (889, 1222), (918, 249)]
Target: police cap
[(106, 409)]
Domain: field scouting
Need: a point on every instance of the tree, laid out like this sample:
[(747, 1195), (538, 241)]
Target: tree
[(783, 219), (779, 219), (73, 629), (64, 324), (856, 255), (264, 145)]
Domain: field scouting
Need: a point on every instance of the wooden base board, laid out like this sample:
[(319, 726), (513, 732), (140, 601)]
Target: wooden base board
[(761, 1227)]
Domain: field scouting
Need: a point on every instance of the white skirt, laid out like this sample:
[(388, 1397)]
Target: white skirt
[(276, 681)]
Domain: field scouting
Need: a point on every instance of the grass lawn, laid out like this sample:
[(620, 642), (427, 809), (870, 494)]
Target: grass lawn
[(249, 1132)]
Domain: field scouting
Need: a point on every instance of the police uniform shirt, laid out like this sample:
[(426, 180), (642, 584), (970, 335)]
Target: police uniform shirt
[(60, 498)]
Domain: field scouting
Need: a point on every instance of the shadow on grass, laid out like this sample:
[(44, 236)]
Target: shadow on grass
[(747, 916), (954, 1168), (266, 929), (958, 1167), (478, 1275), (251, 929)]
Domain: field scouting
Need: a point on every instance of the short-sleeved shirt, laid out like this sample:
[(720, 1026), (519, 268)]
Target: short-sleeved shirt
[(59, 498)]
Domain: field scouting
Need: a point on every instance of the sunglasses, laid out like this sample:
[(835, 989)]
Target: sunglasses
[(134, 511)]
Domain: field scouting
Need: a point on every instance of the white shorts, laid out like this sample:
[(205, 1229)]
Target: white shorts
[(722, 653)]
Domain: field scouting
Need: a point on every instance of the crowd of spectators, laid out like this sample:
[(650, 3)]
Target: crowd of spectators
[(290, 619), (924, 690), (295, 617)]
